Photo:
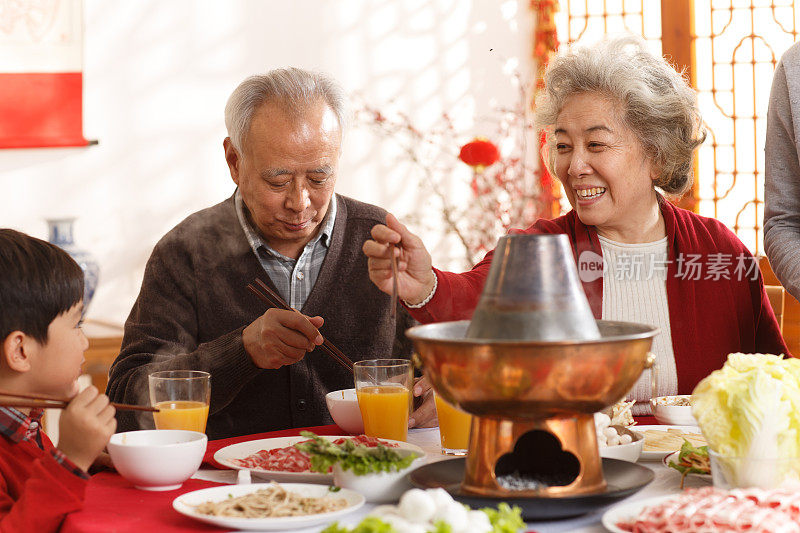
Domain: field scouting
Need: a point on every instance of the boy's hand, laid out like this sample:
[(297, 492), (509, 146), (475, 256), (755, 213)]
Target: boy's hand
[(85, 427)]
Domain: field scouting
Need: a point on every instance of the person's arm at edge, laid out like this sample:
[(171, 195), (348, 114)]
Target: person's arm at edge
[(782, 187)]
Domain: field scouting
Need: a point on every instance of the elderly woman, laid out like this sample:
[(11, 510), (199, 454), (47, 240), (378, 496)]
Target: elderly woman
[(621, 125)]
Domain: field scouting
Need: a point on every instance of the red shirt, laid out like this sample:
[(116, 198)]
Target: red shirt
[(38, 484), (709, 317)]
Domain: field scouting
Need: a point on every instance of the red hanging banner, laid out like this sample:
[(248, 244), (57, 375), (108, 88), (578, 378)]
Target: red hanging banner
[(41, 78)]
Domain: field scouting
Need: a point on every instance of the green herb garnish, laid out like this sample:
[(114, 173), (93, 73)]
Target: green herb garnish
[(359, 458), (505, 519), (370, 524), (334, 488)]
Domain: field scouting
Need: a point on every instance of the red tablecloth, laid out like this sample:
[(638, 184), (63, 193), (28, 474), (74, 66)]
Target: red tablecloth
[(113, 505)]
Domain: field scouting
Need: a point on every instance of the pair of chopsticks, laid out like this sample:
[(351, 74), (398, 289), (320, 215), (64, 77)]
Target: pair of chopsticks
[(18, 399), (274, 299)]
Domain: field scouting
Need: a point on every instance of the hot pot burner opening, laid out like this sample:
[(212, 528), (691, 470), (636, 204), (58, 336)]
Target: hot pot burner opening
[(537, 462)]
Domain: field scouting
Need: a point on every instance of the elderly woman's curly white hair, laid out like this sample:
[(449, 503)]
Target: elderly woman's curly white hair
[(656, 102)]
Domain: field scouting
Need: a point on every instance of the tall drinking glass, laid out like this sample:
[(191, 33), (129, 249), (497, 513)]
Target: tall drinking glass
[(182, 396), (383, 388), (454, 427)]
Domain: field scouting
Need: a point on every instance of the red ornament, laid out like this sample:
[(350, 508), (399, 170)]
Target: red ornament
[(479, 153)]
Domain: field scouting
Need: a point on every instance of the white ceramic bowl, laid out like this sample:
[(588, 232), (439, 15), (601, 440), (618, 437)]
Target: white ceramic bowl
[(381, 487), (343, 407), (627, 452), (157, 459), (673, 415)]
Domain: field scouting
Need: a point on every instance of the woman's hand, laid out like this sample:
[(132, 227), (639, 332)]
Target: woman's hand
[(415, 277)]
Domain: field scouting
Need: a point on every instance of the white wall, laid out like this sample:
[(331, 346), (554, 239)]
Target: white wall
[(156, 78)]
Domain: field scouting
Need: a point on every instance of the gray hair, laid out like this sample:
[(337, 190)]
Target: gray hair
[(657, 103), (293, 89)]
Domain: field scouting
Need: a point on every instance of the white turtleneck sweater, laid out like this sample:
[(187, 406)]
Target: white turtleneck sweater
[(635, 290)]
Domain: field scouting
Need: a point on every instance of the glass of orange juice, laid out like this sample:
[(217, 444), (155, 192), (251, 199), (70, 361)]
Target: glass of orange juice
[(454, 426), (182, 397), (383, 388)]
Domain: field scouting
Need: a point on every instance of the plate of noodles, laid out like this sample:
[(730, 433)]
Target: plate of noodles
[(277, 459), (267, 506)]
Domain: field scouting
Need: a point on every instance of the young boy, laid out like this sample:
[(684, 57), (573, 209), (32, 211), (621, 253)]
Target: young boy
[(41, 302)]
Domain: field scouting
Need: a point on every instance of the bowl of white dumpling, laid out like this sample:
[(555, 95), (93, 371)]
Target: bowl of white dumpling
[(617, 442)]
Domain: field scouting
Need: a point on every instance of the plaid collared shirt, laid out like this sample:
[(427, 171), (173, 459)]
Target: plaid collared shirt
[(294, 279), (20, 428)]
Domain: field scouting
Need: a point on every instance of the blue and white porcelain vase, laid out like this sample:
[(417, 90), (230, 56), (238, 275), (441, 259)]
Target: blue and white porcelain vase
[(60, 234)]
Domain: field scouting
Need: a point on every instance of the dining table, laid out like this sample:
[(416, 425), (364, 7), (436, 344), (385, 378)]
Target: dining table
[(113, 505)]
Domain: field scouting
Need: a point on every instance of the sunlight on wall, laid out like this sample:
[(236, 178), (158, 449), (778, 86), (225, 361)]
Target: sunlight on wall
[(156, 79)]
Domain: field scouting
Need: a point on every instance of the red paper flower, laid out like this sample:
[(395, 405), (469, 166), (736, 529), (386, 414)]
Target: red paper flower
[(479, 153)]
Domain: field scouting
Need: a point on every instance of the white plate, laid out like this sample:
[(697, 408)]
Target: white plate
[(659, 455), (628, 511), (225, 456), (674, 458), (185, 504)]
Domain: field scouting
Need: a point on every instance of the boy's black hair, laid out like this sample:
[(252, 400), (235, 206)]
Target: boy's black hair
[(38, 282)]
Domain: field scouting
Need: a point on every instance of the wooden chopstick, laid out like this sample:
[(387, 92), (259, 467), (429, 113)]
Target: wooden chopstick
[(19, 399), (394, 282), (274, 299)]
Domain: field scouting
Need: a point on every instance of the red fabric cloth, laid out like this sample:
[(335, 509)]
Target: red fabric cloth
[(113, 505), (35, 490), (708, 318)]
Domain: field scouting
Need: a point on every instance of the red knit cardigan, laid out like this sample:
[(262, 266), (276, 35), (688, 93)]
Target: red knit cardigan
[(708, 318)]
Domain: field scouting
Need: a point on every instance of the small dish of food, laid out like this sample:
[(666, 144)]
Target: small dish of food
[(378, 472), (675, 410), (690, 460), (343, 407), (616, 441)]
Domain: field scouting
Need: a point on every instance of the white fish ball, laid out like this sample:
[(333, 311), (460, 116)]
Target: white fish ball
[(610, 432), (441, 498), (416, 505), (478, 522), (612, 441), (401, 525), (625, 439), (454, 514)]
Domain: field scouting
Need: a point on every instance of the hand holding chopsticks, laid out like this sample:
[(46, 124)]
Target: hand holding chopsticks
[(18, 399), (265, 293)]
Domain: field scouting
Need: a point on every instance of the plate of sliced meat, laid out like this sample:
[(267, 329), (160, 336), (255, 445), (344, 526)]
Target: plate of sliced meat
[(278, 460), (709, 509)]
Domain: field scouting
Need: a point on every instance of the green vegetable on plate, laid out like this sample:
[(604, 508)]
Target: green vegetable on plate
[(359, 458)]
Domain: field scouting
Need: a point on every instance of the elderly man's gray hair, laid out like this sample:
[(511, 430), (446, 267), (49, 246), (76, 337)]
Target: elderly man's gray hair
[(293, 89), (655, 101)]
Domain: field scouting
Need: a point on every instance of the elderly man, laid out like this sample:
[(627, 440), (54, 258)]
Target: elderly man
[(284, 225)]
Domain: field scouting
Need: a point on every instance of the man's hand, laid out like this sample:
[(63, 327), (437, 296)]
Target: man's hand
[(85, 426), (425, 415), (281, 337), (415, 277)]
